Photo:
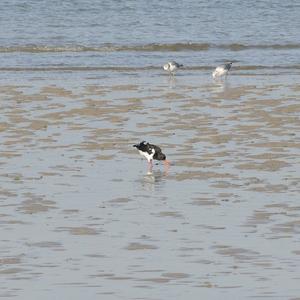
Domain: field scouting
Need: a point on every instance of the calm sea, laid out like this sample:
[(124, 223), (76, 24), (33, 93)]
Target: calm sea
[(144, 34)]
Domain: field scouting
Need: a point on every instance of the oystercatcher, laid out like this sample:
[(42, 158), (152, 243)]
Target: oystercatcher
[(151, 152)]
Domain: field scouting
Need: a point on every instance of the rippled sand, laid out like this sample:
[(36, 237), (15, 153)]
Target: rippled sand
[(82, 218)]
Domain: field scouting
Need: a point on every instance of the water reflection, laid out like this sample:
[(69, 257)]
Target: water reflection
[(153, 179), (221, 85), (171, 81)]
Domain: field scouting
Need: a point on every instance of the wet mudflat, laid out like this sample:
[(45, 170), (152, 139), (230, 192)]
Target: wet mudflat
[(81, 217)]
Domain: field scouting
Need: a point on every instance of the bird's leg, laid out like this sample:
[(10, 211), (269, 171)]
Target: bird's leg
[(150, 165)]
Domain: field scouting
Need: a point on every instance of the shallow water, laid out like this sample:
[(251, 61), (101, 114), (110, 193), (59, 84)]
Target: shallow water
[(82, 217)]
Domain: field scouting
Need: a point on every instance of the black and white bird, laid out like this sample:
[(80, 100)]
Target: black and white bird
[(172, 66), (151, 152), (222, 70)]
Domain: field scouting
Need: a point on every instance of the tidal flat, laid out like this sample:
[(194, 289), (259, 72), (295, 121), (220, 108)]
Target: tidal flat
[(81, 216)]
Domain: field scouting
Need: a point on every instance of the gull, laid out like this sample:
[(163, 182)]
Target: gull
[(222, 70), (172, 66)]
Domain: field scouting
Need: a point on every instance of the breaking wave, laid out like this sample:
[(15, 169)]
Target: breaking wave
[(176, 47)]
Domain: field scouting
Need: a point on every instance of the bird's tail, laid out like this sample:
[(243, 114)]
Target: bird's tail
[(139, 145)]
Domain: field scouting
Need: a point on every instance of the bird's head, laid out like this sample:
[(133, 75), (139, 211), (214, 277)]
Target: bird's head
[(161, 156)]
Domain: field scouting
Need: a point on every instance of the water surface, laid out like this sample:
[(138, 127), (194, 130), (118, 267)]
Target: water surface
[(82, 217)]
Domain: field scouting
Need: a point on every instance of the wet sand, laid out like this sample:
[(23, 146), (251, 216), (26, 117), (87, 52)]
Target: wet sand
[(82, 218)]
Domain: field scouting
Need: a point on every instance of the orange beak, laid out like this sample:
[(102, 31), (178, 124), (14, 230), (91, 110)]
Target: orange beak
[(167, 163)]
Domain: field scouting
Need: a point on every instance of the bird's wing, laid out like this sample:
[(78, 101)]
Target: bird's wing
[(156, 149), (150, 148), (227, 67), (177, 64)]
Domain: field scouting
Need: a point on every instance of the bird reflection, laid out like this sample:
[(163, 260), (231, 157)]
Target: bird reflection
[(172, 81), (221, 85), (153, 180), (153, 177)]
